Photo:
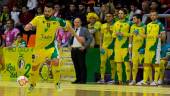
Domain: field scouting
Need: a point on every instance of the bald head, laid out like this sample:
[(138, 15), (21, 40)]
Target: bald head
[(77, 22)]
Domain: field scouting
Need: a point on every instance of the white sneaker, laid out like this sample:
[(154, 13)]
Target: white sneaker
[(111, 82), (31, 88), (58, 86), (153, 83), (101, 82), (160, 82), (149, 82), (140, 83), (132, 82)]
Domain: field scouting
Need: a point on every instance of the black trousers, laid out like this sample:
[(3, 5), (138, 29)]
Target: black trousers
[(78, 58)]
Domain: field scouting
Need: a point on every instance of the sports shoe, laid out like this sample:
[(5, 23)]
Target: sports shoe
[(120, 83), (154, 83), (140, 83), (31, 88), (160, 82), (58, 86), (110, 82), (132, 82), (127, 82), (101, 82)]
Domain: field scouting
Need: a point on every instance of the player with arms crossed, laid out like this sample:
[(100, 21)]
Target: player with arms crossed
[(121, 35), (107, 47), (155, 32), (137, 44)]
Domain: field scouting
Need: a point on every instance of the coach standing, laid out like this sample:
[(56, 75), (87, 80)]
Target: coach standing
[(79, 42)]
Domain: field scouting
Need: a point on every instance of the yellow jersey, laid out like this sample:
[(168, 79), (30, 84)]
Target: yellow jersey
[(153, 30), (136, 32), (46, 30), (96, 27), (123, 27), (107, 31)]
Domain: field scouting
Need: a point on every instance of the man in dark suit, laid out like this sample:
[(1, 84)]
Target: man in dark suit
[(79, 43)]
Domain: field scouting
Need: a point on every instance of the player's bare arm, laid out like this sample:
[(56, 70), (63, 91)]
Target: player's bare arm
[(28, 27)]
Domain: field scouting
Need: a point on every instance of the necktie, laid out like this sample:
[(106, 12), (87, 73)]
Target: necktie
[(76, 30)]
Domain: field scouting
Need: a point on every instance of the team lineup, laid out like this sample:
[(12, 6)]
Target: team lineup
[(120, 42), (84, 47), (133, 42)]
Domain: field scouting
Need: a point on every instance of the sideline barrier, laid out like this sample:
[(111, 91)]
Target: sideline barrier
[(18, 61), (93, 67)]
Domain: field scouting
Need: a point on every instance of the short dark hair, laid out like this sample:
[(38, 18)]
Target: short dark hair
[(25, 7), (138, 16), (20, 34), (11, 20), (124, 10), (110, 13), (154, 11), (82, 3), (50, 5)]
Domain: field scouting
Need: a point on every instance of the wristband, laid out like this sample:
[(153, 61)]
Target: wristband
[(130, 45)]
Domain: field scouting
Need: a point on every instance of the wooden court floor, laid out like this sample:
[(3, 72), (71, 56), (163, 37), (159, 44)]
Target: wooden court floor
[(12, 88)]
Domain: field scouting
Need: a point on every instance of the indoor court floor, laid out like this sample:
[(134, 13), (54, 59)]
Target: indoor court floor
[(12, 88)]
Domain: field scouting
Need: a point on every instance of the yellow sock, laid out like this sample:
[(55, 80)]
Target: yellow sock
[(134, 71), (157, 72), (113, 71), (119, 71), (34, 77), (162, 69), (146, 73), (56, 73), (150, 74), (102, 65), (102, 72), (34, 74), (127, 65)]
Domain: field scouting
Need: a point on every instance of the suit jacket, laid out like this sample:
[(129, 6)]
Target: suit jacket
[(83, 33)]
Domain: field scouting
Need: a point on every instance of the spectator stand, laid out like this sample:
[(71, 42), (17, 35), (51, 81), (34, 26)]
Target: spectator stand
[(167, 23)]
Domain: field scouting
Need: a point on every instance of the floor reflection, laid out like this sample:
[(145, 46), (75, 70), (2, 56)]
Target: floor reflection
[(48, 89), (113, 93)]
